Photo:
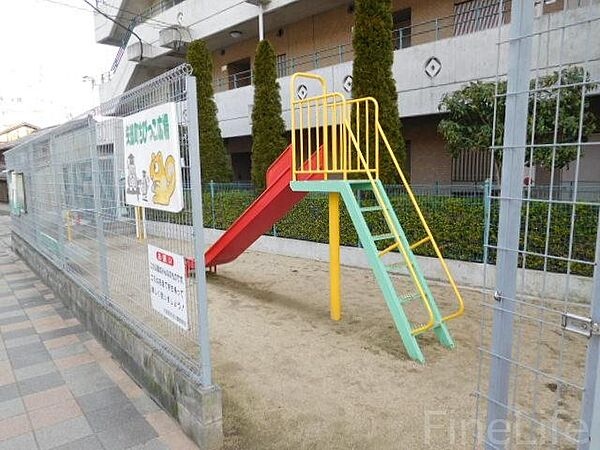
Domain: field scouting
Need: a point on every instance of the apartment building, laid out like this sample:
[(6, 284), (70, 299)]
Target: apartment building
[(440, 46)]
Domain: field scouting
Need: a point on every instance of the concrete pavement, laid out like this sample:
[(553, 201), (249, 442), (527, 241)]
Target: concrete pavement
[(59, 389)]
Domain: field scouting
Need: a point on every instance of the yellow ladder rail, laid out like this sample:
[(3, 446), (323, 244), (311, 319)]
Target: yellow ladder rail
[(392, 247), (461, 306), (421, 242), (431, 322)]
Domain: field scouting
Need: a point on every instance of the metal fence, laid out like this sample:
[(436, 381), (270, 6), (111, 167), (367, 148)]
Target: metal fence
[(73, 211), (539, 365)]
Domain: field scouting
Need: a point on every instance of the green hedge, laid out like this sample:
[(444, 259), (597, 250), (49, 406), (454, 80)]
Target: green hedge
[(457, 224)]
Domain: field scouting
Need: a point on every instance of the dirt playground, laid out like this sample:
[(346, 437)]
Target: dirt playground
[(294, 379)]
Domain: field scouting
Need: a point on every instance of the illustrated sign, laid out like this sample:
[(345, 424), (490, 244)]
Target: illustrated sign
[(167, 285), (152, 159)]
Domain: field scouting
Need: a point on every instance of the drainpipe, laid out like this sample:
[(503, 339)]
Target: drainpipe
[(261, 25)]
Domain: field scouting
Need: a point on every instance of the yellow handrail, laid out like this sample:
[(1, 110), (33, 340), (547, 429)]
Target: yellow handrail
[(461, 305), (431, 322), (293, 102), (342, 163)]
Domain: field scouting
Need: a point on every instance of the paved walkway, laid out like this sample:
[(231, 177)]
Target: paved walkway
[(59, 389)]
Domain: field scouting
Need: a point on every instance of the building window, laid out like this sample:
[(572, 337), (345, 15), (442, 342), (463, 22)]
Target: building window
[(471, 166), (402, 28), (477, 15), (282, 69), (240, 73)]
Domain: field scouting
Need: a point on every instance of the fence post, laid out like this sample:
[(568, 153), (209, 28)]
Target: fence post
[(31, 207), (359, 198), (590, 411), (58, 183), (97, 192), (515, 136), (212, 203), (195, 178), (487, 208)]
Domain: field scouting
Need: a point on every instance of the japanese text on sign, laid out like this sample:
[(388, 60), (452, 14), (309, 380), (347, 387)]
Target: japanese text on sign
[(167, 285)]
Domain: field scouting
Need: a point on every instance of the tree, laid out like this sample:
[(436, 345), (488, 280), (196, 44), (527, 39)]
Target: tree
[(214, 158), (268, 128), (372, 76), (470, 119)]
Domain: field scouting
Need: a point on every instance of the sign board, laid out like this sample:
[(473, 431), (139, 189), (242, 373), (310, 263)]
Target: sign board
[(152, 159), (167, 285)]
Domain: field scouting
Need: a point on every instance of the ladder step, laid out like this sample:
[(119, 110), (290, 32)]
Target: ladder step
[(409, 298), (371, 208), (383, 237)]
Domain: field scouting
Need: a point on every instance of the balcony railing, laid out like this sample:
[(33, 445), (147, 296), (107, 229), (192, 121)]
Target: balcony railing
[(465, 21), (150, 12), (469, 17), (158, 7)]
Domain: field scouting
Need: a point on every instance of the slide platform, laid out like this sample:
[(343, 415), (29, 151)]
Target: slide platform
[(274, 203)]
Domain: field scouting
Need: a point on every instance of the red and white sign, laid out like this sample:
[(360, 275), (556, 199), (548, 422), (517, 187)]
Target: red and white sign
[(167, 285)]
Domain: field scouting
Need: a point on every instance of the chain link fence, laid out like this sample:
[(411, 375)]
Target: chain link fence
[(68, 201)]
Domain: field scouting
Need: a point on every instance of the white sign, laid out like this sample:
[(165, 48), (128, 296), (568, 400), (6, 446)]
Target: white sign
[(152, 159), (167, 285)]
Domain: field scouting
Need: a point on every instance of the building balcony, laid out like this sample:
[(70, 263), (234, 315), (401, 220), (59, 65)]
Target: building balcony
[(432, 57), (424, 73), (126, 13), (467, 21)]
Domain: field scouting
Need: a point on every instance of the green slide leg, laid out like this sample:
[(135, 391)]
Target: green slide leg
[(440, 329)]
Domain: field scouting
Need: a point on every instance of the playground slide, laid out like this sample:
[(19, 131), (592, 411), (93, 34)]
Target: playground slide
[(274, 203)]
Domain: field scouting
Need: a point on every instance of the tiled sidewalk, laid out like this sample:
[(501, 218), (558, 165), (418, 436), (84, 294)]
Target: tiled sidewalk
[(59, 389)]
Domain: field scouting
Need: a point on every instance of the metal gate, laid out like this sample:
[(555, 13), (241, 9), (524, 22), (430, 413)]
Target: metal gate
[(539, 372)]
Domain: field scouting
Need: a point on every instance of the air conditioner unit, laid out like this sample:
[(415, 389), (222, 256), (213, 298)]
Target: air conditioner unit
[(174, 37)]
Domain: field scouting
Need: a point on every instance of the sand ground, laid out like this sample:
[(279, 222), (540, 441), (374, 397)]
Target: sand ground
[(293, 378)]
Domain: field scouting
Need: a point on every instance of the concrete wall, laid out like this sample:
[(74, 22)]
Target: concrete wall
[(467, 274), (430, 162), (167, 379), (589, 167)]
